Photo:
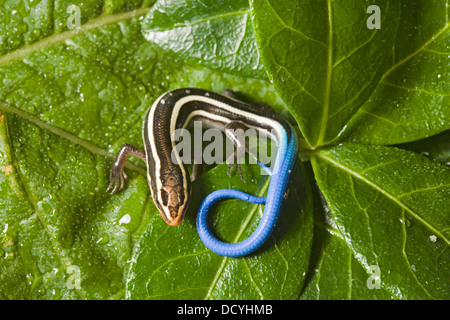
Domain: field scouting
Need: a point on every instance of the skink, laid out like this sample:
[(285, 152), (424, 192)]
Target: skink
[(169, 180)]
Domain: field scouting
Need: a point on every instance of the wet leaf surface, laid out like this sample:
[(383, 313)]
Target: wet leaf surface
[(359, 213)]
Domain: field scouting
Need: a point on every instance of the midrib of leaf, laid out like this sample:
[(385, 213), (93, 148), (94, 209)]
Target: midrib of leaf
[(326, 105), (102, 20), (238, 235), (66, 135), (385, 193)]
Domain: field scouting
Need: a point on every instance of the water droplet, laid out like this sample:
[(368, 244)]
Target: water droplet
[(104, 239), (405, 221), (125, 219), (41, 290)]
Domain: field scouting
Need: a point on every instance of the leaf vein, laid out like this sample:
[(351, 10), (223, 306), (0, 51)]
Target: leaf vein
[(238, 235), (211, 18), (385, 193), (293, 29), (423, 189), (66, 135), (297, 81), (59, 253), (253, 280), (326, 105), (413, 54), (63, 36), (415, 89)]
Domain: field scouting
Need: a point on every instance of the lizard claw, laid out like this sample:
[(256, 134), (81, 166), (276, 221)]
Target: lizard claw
[(116, 179)]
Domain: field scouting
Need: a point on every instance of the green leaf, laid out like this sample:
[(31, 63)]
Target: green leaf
[(58, 222), (173, 263), (334, 272), (57, 219), (69, 100), (436, 147), (322, 58), (391, 207), (412, 101), (217, 34)]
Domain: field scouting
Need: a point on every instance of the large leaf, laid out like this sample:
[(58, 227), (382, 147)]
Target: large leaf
[(334, 272), (69, 99), (412, 101), (323, 59), (218, 34), (57, 218), (165, 255), (58, 222), (391, 207)]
